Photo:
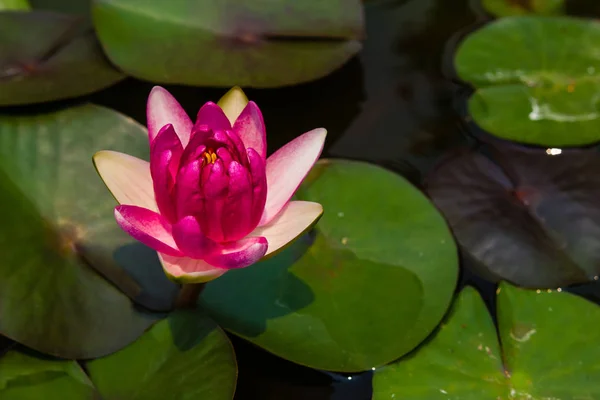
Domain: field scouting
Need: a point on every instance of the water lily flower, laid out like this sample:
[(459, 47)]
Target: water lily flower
[(210, 200)]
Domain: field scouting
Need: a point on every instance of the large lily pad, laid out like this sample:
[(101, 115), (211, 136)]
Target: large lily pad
[(25, 377), (505, 8), (366, 287), (252, 43), (526, 217), (57, 224), (538, 359), (547, 91), (185, 356), (45, 56)]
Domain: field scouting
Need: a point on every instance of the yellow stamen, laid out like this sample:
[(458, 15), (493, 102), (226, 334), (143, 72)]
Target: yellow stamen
[(209, 157)]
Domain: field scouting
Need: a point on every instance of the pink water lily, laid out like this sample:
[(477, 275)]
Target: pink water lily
[(210, 200)]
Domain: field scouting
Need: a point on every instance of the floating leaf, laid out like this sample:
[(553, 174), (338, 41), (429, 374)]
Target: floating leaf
[(529, 217), (543, 360), (505, 8), (257, 43), (184, 356), (58, 224), (547, 91), (17, 5), (367, 287), (45, 56), (25, 377)]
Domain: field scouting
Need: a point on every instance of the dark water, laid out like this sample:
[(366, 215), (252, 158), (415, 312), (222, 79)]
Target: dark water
[(397, 104)]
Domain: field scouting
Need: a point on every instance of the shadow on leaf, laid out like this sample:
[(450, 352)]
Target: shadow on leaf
[(262, 292)]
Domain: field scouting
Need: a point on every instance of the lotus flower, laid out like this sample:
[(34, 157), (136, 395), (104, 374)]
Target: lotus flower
[(210, 200)]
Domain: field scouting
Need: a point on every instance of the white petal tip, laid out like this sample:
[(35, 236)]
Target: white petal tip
[(172, 266), (192, 278), (294, 220), (158, 89), (127, 177)]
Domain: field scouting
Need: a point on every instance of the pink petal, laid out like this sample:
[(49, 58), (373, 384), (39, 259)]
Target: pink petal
[(240, 254), (233, 103), (188, 270), (287, 167), (190, 239), (195, 147), (259, 186), (236, 146), (215, 191), (236, 215), (224, 155), (189, 197), (295, 219), (250, 127), (163, 109), (210, 115), (128, 178), (165, 153), (148, 227)]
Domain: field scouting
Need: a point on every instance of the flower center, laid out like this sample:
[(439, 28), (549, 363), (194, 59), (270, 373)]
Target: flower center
[(209, 157)]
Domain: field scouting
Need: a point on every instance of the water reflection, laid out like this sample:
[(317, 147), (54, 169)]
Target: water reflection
[(407, 119)]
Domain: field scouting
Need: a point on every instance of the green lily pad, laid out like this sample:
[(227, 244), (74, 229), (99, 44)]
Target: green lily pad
[(505, 8), (25, 377), (254, 43), (367, 286), (46, 56), (547, 92), (58, 230), (185, 356), (20, 5), (540, 359)]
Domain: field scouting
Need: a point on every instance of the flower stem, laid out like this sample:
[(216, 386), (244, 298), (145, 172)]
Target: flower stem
[(188, 295)]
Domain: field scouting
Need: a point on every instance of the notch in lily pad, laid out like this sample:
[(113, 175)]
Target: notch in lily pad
[(543, 350), (546, 93), (47, 56)]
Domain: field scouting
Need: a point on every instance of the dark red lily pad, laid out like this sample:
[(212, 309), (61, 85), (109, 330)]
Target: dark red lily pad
[(524, 215), (47, 56)]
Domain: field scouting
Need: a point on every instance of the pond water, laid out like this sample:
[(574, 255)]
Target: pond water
[(397, 104)]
